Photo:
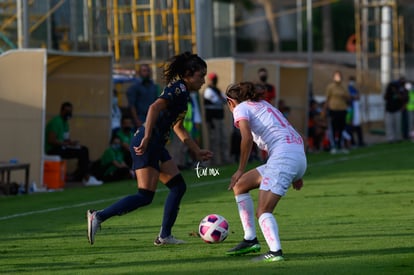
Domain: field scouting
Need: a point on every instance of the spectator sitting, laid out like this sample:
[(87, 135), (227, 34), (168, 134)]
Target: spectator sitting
[(125, 135), (58, 142), (111, 166)]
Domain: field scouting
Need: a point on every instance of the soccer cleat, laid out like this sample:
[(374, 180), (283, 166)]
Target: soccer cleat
[(93, 225), (167, 240), (92, 181), (269, 257), (245, 247), (345, 151)]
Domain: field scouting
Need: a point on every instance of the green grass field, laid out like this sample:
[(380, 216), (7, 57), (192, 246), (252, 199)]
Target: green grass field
[(355, 215)]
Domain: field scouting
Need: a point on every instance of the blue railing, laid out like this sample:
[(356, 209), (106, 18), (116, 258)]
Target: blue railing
[(6, 40)]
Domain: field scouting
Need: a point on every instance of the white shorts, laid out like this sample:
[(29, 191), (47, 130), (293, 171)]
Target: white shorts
[(281, 170)]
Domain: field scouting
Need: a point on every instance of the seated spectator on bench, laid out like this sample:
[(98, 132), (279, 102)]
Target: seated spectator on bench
[(125, 134), (111, 166), (58, 142)]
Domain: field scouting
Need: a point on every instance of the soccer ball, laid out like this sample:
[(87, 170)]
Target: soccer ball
[(213, 228)]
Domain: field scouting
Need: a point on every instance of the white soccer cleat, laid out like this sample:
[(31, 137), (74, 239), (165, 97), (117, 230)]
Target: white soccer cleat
[(167, 240), (92, 181), (93, 225)]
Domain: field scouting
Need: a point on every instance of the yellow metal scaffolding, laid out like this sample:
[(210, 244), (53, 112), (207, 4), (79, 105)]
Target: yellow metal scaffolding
[(135, 31), (158, 24)]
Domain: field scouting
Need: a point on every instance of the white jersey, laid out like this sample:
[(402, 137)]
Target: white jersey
[(270, 129)]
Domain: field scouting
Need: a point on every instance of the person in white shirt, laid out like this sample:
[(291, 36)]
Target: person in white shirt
[(214, 103), (263, 124), (116, 113)]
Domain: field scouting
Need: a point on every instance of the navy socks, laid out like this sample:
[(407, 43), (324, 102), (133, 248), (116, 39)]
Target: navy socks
[(177, 188), (127, 204)]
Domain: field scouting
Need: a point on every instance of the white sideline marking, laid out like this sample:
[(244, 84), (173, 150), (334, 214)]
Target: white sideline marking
[(351, 157), (96, 202), (326, 162), (332, 161)]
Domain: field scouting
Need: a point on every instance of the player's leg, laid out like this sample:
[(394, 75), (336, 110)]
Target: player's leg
[(172, 178), (278, 175), (268, 225), (147, 179), (250, 180), (146, 168), (147, 173)]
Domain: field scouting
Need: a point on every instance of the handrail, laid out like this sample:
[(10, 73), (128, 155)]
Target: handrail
[(7, 41)]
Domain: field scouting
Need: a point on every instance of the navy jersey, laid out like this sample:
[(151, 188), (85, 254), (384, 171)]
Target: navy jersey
[(177, 96)]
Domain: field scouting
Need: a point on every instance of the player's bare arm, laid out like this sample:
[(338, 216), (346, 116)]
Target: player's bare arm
[(153, 113), (245, 148), (184, 136)]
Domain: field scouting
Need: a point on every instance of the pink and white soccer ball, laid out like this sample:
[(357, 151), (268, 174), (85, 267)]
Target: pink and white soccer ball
[(213, 228)]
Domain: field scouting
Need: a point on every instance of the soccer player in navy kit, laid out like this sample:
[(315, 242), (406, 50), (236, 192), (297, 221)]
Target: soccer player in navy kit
[(151, 161)]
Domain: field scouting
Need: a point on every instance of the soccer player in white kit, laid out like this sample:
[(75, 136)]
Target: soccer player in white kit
[(263, 124)]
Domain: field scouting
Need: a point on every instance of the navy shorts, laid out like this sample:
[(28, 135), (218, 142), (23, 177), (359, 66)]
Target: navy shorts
[(154, 154)]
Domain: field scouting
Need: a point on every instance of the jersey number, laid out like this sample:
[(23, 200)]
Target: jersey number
[(293, 137)]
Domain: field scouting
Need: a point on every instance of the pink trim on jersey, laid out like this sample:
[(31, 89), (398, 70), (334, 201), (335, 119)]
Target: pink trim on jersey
[(236, 122)]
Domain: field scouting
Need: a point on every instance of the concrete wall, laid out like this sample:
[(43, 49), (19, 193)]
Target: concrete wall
[(22, 100), (33, 84)]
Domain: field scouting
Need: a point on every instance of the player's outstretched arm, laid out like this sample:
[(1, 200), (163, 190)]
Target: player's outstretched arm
[(184, 136)]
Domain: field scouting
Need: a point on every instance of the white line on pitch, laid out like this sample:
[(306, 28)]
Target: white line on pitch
[(96, 202), (326, 162)]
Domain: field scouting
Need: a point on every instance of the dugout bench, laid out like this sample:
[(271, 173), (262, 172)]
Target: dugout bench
[(5, 171)]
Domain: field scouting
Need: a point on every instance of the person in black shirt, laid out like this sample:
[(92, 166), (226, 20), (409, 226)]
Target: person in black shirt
[(396, 98), (214, 102)]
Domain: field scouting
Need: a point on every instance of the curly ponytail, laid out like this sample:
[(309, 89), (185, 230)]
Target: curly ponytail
[(181, 65), (244, 91)]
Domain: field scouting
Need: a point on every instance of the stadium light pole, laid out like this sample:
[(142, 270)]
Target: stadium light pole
[(310, 60), (22, 24), (299, 25), (386, 39), (204, 27), (310, 46)]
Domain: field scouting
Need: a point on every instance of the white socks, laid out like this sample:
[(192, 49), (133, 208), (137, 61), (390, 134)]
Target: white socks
[(246, 212), (270, 231), (267, 222)]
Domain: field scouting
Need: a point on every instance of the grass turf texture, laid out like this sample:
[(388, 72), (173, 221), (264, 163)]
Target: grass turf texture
[(355, 215)]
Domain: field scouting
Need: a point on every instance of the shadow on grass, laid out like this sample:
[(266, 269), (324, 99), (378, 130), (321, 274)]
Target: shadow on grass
[(353, 253), (352, 237), (103, 263)]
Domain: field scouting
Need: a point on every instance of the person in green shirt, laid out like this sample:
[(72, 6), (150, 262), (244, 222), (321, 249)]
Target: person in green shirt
[(410, 108), (111, 166), (58, 142), (125, 134)]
